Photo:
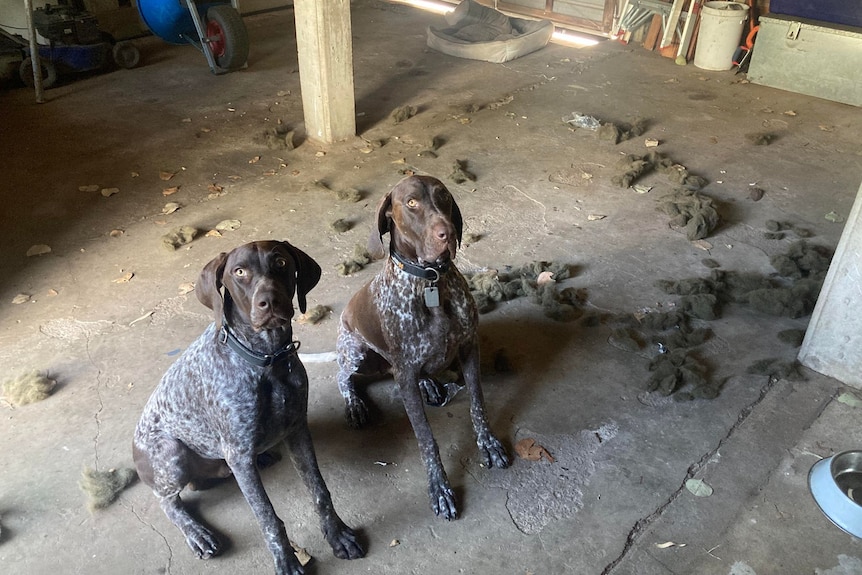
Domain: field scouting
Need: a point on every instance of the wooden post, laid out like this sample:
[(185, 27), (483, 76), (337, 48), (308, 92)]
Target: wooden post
[(325, 46), (34, 51)]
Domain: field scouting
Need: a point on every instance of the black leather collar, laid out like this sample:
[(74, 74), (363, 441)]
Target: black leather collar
[(430, 272), (227, 337)]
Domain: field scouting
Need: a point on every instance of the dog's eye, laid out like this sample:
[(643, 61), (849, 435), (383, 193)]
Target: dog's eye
[(412, 203), (239, 272), (280, 262)]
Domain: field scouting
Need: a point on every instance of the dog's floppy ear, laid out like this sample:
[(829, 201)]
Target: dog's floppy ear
[(376, 248), (307, 274), (457, 221), (208, 288)]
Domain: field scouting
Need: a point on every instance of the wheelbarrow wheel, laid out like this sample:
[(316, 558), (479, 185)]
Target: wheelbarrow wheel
[(126, 55), (227, 37), (49, 73)]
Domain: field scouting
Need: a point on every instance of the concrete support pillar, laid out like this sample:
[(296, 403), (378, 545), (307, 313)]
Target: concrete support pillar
[(324, 41), (833, 341)]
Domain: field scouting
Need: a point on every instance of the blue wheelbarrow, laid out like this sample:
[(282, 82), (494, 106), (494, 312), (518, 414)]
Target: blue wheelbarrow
[(214, 28)]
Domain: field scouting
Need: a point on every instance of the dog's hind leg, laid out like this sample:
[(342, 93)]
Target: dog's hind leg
[(340, 537), (165, 466)]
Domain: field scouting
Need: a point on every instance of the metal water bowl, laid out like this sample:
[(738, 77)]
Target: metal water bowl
[(836, 484)]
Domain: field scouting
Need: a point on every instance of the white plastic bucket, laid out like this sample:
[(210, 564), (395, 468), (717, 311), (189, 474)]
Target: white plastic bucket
[(720, 34)]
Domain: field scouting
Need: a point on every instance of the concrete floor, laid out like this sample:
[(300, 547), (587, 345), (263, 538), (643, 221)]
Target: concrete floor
[(622, 456)]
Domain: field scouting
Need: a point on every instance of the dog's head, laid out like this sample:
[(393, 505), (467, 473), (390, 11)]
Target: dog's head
[(422, 219), (261, 278)]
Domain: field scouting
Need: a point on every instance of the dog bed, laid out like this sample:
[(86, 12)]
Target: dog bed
[(478, 32)]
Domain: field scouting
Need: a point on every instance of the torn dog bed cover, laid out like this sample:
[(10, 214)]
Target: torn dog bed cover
[(478, 32)]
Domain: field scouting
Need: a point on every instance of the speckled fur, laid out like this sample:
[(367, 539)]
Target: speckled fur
[(213, 413), (387, 326)]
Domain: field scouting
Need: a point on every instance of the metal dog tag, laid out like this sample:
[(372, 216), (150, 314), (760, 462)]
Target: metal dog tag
[(432, 296)]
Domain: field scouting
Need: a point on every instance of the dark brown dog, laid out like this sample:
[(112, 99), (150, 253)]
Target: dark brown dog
[(238, 390), (416, 318)]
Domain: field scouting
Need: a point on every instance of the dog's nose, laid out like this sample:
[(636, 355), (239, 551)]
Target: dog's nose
[(441, 232)]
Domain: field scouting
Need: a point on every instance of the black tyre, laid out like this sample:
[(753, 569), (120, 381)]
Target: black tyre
[(49, 73), (227, 36), (126, 55)]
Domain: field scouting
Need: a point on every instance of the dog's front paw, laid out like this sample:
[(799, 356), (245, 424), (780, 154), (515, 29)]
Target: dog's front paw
[(493, 453), (344, 542), (202, 541), (357, 413), (443, 500)]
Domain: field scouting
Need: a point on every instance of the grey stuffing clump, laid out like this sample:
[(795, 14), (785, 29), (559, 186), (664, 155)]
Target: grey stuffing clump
[(777, 369), (690, 211), (460, 174), (802, 270), (632, 167), (680, 373), (617, 133), (403, 113), (356, 262), (28, 387), (491, 287), (280, 137), (103, 487), (179, 237)]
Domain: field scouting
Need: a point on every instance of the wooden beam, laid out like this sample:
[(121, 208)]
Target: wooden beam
[(325, 46)]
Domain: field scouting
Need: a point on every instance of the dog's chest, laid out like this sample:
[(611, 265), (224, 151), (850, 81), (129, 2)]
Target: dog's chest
[(428, 333)]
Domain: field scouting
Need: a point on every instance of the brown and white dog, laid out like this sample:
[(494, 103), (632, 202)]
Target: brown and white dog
[(415, 319)]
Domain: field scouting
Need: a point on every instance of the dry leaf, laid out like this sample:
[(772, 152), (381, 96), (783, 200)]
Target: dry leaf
[(108, 192), (21, 298), (269, 173), (116, 233), (165, 176), (215, 188), (789, 113), (400, 161), (38, 250), (169, 191), (320, 154), (641, 189), (531, 451), (213, 234), (170, 208), (254, 160), (234, 178), (651, 143), (124, 279), (826, 128), (90, 188), (52, 292), (135, 174), (186, 287), (595, 217), (702, 244), (301, 553)]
